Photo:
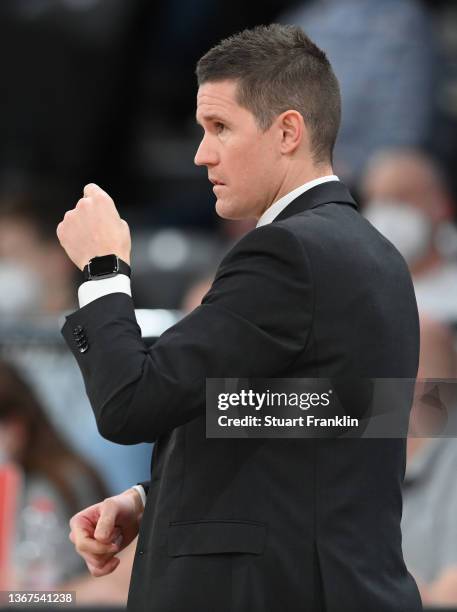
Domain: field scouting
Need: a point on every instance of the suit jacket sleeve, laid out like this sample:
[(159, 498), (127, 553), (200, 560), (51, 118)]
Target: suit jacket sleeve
[(253, 322)]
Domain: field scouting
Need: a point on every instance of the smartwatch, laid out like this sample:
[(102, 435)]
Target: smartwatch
[(105, 266)]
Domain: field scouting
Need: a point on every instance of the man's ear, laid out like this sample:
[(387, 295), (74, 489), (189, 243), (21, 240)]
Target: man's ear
[(292, 131)]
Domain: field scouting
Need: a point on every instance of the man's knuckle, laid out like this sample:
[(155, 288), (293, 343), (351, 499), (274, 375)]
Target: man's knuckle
[(93, 548), (82, 544), (108, 503), (80, 548)]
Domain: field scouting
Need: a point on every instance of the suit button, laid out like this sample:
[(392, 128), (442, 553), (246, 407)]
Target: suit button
[(141, 552), (80, 339)]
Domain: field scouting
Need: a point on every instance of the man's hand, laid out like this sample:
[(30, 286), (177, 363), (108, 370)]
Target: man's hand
[(94, 228), (104, 529)]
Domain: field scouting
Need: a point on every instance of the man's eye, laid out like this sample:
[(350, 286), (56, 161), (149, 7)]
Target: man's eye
[(219, 126)]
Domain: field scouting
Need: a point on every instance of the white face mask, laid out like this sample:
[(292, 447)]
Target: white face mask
[(20, 290), (406, 227)]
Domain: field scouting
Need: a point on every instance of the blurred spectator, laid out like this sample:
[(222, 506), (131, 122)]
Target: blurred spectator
[(383, 56), (430, 497), (57, 483), (407, 200), (35, 275)]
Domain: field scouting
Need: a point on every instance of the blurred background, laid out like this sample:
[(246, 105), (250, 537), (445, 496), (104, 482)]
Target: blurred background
[(104, 91)]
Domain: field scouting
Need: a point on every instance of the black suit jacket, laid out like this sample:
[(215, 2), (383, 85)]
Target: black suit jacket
[(256, 525)]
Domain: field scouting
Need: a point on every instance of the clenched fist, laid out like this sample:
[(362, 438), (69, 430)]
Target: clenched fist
[(94, 228), (104, 529)]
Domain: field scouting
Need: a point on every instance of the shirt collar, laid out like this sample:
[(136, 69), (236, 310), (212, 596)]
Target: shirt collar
[(273, 211)]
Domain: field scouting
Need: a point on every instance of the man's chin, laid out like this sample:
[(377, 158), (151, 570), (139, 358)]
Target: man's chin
[(231, 211)]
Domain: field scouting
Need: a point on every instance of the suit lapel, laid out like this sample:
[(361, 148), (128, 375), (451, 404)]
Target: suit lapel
[(333, 191)]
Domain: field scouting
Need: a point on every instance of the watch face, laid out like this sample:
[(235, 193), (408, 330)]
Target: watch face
[(103, 266)]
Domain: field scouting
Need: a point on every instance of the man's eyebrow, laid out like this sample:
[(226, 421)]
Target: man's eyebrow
[(210, 118)]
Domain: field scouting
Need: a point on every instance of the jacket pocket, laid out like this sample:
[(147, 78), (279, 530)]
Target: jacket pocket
[(213, 537)]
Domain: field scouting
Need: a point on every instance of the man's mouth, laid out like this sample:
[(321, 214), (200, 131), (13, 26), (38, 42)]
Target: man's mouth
[(216, 182)]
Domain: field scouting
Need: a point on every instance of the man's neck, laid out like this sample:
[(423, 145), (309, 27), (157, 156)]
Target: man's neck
[(294, 180)]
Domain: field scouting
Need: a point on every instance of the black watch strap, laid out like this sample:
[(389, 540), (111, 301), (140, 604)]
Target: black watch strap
[(105, 266)]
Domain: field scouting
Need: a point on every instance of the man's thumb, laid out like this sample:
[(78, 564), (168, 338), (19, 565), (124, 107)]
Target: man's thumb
[(104, 530)]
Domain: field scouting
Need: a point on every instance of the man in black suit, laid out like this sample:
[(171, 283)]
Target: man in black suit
[(314, 291)]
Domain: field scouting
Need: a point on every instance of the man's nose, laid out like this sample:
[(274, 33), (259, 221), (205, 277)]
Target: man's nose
[(205, 155)]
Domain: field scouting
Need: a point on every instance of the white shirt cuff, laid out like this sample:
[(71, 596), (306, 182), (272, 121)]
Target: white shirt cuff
[(141, 493), (94, 289)]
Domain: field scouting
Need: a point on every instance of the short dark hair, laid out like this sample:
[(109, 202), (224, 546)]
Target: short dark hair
[(279, 68)]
